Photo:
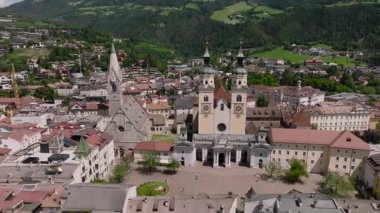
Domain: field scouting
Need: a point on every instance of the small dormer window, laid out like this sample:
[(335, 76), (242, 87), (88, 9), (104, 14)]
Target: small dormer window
[(205, 98), (221, 107), (348, 139)]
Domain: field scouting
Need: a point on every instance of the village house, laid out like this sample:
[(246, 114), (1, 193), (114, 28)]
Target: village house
[(162, 150), (159, 108), (321, 150), (298, 95), (20, 139)]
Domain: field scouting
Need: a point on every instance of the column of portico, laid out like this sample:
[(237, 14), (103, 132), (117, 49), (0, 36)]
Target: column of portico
[(215, 159), (204, 154), (238, 156), (228, 159)]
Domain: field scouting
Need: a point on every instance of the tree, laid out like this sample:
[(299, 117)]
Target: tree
[(338, 185), (296, 171), (262, 101), (273, 169), (150, 161), (173, 165), (45, 93), (119, 173)]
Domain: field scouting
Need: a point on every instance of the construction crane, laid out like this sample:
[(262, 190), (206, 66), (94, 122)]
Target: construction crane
[(15, 88)]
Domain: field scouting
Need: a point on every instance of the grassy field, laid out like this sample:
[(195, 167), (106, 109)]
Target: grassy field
[(343, 4), (32, 52), (324, 46), (298, 59), (192, 6), (164, 138), (267, 10), (222, 15)]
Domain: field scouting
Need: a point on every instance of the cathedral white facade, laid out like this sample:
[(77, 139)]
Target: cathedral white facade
[(221, 138), (127, 121)]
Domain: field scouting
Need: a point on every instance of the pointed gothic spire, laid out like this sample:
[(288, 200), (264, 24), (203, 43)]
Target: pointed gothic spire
[(206, 56), (114, 63), (240, 56)]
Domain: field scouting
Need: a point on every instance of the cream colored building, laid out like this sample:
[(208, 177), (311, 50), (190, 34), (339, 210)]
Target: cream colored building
[(339, 116), (221, 138), (322, 151)]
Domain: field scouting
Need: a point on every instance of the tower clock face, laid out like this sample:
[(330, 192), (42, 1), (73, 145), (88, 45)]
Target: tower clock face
[(205, 108), (238, 109)]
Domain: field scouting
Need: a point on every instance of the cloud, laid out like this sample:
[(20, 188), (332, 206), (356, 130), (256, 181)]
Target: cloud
[(4, 3)]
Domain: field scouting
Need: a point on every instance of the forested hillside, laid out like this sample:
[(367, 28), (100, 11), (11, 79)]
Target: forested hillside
[(183, 25)]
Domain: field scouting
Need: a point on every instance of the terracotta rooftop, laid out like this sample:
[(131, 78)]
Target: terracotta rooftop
[(221, 93), (19, 134), (158, 106), (337, 139), (153, 146)]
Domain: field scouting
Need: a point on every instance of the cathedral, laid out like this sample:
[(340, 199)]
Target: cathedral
[(221, 116), (127, 121)]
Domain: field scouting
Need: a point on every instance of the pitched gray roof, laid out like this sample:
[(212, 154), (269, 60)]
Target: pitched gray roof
[(95, 197), (184, 103)]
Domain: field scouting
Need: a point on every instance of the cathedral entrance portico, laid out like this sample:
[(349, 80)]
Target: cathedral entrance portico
[(222, 158)]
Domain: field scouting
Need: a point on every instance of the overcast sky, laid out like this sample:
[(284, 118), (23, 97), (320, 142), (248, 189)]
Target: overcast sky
[(4, 3)]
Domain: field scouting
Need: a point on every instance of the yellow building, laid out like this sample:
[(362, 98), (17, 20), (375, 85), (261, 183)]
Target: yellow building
[(322, 151)]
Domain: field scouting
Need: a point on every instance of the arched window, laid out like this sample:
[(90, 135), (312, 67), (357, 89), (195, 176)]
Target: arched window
[(205, 98), (239, 98), (221, 107)]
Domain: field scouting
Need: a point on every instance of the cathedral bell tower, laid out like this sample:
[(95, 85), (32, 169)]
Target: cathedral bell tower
[(239, 96), (114, 81), (206, 97)]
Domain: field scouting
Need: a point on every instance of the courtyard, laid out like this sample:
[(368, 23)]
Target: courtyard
[(207, 180)]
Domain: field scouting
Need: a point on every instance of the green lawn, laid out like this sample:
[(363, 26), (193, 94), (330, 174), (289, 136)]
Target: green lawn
[(281, 53), (153, 188), (298, 59), (192, 6), (164, 138), (268, 10), (324, 46), (222, 15), (30, 52)]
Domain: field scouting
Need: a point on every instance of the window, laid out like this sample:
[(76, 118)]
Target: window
[(273, 159), (239, 98), (344, 166), (205, 98), (337, 158), (352, 167), (221, 107), (296, 153), (287, 160), (321, 154), (312, 153), (312, 161), (287, 152), (336, 166), (279, 152), (338, 150), (353, 160), (304, 153), (345, 159), (274, 151)]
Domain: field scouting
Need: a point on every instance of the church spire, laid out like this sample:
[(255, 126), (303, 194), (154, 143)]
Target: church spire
[(114, 79), (240, 56), (114, 63), (206, 56)]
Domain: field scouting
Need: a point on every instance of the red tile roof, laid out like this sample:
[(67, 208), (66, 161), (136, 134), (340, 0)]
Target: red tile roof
[(19, 134), (337, 139), (153, 146), (158, 106), (221, 93), (4, 151)]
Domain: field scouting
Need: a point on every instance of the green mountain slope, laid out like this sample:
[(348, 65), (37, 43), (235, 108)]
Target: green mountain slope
[(183, 25)]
